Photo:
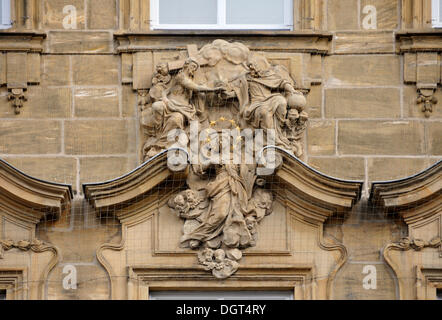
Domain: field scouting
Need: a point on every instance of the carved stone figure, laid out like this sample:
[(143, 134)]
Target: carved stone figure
[(270, 90), (175, 109), (223, 86)]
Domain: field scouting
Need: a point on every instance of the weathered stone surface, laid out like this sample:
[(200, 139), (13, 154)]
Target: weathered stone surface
[(2, 68), (33, 68), (53, 14), (352, 168), (363, 70), (410, 67), (381, 137), (56, 70), (54, 169), (387, 12), (102, 14), (42, 103), (96, 103), (97, 137), (366, 42), (428, 68), (126, 68), (30, 137), (94, 169), (84, 64), (129, 102), (362, 103), (314, 102), (143, 70), (382, 169), (80, 42), (342, 15), (92, 283), (434, 138), (321, 137), (349, 283), (16, 71)]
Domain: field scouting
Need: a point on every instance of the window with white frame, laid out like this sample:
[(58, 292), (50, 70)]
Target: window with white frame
[(436, 8), (222, 14), (5, 14)]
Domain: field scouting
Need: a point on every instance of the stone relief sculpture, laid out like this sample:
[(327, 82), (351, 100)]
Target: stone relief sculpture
[(222, 87), (17, 97)]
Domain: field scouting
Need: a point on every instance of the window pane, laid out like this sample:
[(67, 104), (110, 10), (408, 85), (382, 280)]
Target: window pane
[(255, 12), (2, 294), (188, 11), (439, 293), (440, 10)]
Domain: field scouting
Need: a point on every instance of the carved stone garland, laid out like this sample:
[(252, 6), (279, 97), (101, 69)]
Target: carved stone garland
[(25, 245), (222, 87)]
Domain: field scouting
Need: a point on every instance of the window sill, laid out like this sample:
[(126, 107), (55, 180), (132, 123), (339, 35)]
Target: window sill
[(316, 42)]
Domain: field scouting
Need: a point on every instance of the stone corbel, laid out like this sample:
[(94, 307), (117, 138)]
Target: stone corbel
[(422, 55), (20, 55)]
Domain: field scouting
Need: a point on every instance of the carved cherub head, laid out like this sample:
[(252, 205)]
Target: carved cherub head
[(292, 116), (162, 68), (220, 255), (185, 201), (192, 198), (263, 201), (258, 66), (179, 203)]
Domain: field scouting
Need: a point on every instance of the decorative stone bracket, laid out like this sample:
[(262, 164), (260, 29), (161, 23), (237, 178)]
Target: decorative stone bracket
[(426, 99), (20, 55), (422, 67)]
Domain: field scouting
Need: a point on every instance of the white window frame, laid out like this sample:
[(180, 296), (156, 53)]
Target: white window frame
[(436, 20), (5, 17), (222, 19)]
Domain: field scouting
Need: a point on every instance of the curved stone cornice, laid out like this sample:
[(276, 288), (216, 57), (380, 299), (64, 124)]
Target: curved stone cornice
[(415, 197), (131, 186), (29, 198), (315, 192), (317, 189)]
